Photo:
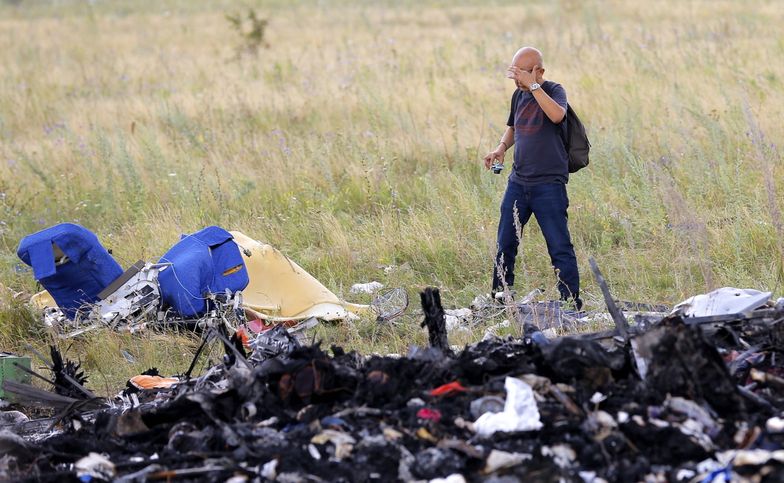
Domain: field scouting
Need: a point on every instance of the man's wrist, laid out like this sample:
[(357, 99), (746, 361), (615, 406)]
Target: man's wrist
[(504, 144)]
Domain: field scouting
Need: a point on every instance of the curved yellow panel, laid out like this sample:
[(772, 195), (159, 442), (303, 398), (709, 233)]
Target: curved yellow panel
[(279, 289)]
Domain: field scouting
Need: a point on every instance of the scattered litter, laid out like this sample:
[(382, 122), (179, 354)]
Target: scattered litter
[(708, 408), (370, 287), (520, 412)]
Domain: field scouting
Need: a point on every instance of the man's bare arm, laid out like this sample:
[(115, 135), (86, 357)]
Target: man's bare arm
[(524, 79), (507, 139), (553, 110), (506, 142)]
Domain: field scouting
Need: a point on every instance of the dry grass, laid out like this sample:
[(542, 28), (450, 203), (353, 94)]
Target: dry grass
[(353, 142)]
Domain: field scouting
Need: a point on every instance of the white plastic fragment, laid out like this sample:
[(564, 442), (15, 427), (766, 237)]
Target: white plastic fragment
[(722, 301), (693, 411), (8, 418), (314, 452), (464, 313), (270, 470), (752, 457), (95, 465), (453, 478), (696, 431), (492, 331), (344, 443), (604, 419), (458, 319), (498, 460), (590, 477), (685, 474), (775, 425), (333, 436), (563, 455), (370, 287), (520, 411), (598, 397)]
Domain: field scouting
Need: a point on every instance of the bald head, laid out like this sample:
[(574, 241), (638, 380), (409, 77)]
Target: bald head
[(527, 57)]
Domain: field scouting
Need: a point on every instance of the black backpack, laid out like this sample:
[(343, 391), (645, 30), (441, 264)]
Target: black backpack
[(576, 141)]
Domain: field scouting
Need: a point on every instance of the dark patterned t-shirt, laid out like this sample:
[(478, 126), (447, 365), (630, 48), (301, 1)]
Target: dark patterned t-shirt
[(539, 152)]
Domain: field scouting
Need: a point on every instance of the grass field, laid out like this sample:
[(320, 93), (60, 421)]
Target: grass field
[(352, 141)]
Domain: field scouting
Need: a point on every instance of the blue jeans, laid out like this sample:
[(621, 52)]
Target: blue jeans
[(548, 203)]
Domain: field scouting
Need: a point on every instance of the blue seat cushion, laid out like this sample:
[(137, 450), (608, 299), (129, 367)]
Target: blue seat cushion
[(202, 263), (88, 269)]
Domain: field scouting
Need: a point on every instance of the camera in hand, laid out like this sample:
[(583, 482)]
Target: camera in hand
[(497, 167)]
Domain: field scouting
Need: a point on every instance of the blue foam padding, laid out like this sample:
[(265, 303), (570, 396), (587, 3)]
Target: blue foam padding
[(78, 281), (208, 261)]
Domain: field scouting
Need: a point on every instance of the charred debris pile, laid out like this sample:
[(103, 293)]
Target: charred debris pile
[(682, 399)]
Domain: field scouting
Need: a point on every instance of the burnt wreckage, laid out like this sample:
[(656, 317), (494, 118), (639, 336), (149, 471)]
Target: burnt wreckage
[(684, 399), (687, 397)]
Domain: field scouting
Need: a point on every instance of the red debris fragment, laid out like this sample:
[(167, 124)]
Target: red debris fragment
[(242, 333), (448, 389), (429, 414)]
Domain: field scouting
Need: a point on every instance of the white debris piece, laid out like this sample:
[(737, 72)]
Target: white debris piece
[(492, 331), (590, 477), (370, 287), (722, 301), (453, 478), (95, 466), (684, 475), (563, 455), (751, 457), (9, 418), (270, 469), (465, 314), (498, 460), (520, 411), (598, 397), (775, 425), (458, 319)]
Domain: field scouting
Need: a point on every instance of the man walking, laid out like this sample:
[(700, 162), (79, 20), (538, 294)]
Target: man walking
[(537, 183)]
